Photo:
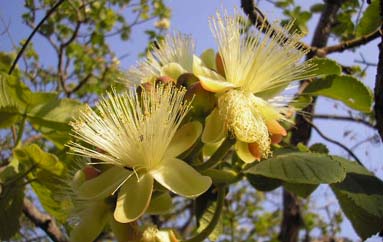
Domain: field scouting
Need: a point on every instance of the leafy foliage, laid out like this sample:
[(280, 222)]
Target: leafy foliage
[(300, 167), (347, 89), (37, 103), (360, 195), (370, 19)]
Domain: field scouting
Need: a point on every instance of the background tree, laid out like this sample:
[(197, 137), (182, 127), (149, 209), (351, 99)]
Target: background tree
[(35, 122)]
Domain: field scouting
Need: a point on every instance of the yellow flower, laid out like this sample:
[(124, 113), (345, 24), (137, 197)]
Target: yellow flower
[(172, 57), (251, 71), (139, 136)]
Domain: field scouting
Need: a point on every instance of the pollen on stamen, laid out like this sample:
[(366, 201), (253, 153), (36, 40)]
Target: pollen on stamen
[(244, 121)]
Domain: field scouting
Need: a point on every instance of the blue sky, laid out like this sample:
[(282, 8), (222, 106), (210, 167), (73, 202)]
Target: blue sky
[(191, 17)]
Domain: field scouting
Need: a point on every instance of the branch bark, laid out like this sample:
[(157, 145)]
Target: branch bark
[(378, 90), (43, 221)]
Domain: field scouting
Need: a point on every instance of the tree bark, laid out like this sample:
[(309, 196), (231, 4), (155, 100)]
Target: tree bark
[(43, 221), (292, 219)]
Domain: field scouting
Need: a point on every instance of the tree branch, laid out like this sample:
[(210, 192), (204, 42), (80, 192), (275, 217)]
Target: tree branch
[(43, 221), (20, 53), (344, 118), (349, 151), (350, 43)]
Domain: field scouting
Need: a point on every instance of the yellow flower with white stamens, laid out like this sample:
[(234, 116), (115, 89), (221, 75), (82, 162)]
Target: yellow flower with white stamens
[(139, 136), (172, 57), (251, 70)]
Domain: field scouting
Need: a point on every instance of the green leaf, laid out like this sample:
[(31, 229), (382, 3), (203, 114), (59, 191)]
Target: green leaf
[(370, 20), (301, 102), (8, 116), (53, 203), (302, 190), (347, 89), (51, 117), (11, 204), (224, 176), (205, 208), (46, 161), (47, 179), (263, 183), (364, 223), (160, 203), (45, 111), (300, 167), (325, 66), (319, 148), (361, 197), (11, 198)]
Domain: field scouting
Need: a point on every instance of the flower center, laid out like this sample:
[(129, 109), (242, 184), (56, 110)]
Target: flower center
[(244, 120)]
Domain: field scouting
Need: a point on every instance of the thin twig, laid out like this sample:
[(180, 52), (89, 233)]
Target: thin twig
[(349, 151), (344, 118), (50, 11)]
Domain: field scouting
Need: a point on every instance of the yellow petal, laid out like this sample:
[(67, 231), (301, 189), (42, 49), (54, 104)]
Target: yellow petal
[(104, 184), (180, 178), (184, 138), (208, 58), (133, 198), (243, 152), (173, 70), (161, 203), (215, 130), (210, 80), (92, 222)]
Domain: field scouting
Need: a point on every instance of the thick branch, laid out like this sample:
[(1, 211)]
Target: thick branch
[(378, 90), (43, 221), (350, 43)]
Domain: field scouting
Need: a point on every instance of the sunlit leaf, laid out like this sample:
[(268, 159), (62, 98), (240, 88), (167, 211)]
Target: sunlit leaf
[(300, 167), (347, 89), (370, 20), (325, 66)]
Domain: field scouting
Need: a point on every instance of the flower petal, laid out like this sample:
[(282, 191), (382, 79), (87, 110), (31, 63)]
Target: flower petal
[(184, 138), (104, 184), (243, 152), (180, 178), (173, 70), (92, 222), (161, 203), (208, 58), (133, 198), (210, 80), (215, 129)]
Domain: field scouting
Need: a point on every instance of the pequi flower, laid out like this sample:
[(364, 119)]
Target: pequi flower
[(251, 71), (138, 135), (172, 57)]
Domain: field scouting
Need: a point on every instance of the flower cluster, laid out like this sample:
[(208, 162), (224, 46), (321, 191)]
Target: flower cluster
[(135, 138)]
